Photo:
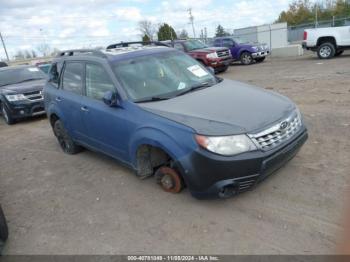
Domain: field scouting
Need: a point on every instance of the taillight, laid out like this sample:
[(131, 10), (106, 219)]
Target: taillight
[(305, 35)]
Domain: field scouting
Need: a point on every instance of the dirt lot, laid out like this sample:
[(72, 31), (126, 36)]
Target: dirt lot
[(89, 204)]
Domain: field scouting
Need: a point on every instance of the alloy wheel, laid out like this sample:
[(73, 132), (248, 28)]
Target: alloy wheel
[(325, 51)]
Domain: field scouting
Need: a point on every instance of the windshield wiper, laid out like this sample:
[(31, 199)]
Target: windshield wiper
[(151, 99), (195, 87)]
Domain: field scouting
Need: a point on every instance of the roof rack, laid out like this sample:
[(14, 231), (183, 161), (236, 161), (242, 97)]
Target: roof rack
[(127, 44), (73, 52)]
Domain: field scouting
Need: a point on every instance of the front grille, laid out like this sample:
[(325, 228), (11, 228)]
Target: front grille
[(34, 96), (223, 53), (277, 134)]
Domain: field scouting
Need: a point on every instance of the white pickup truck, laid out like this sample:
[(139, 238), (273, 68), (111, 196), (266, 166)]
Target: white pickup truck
[(327, 42)]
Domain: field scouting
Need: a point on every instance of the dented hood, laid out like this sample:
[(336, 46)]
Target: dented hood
[(227, 108)]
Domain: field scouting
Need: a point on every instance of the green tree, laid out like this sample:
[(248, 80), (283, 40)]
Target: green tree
[(166, 32), (220, 31), (183, 34), (146, 39)]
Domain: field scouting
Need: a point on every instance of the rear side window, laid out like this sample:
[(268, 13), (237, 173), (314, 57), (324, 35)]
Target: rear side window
[(227, 42), (217, 42), (73, 77), (98, 81)]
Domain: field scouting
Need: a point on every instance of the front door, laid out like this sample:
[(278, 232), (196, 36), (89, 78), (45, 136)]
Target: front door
[(108, 128)]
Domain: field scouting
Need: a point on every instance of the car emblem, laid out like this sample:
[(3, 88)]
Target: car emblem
[(284, 125)]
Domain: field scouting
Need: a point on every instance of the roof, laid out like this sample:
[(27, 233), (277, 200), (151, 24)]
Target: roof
[(114, 54)]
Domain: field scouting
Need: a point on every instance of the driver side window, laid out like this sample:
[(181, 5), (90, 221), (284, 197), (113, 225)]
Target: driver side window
[(98, 81)]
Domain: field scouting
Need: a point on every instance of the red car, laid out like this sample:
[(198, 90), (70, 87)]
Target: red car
[(219, 58)]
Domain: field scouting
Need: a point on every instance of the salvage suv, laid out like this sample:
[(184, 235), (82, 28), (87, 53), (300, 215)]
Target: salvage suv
[(242, 50), (162, 113)]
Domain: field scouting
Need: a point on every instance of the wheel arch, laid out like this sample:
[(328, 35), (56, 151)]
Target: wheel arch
[(326, 39)]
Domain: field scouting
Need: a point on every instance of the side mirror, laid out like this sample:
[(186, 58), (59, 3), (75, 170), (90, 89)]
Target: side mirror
[(110, 98), (211, 70)]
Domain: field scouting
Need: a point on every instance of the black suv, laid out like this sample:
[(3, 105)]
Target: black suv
[(21, 92)]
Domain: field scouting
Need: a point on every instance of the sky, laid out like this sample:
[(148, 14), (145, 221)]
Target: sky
[(67, 24)]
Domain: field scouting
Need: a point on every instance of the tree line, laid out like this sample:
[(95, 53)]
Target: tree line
[(304, 11)]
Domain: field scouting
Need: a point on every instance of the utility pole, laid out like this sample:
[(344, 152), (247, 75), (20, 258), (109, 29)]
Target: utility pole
[(3, 44), (316, 23), (191, 21)]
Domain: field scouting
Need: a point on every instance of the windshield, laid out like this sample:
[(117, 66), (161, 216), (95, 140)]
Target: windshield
[(240, 40), (194, 44), (18, 75), (164, 75)]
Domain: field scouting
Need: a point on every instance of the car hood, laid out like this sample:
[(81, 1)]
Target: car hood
[(208, 50), (228, 108), (24, 87)]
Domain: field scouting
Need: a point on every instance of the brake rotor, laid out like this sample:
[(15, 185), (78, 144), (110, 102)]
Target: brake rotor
[(169, 180)]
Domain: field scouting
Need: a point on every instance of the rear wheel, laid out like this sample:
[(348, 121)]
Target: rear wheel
[(338, 53), (260, 59), (326, 51), (169, 180), (246, 58), (66, 142), (7, 115)]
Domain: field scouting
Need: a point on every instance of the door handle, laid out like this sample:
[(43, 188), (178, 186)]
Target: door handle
[(58, 99), (84, 108)]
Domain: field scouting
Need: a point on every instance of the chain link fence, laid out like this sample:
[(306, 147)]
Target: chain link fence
[(296, 33)]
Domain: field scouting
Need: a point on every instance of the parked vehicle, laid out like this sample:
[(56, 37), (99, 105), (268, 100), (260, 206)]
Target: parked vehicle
[(162, 113), (219, 58), (327, 42), (2, 64), (21, 92), (3, 228), (242, 50)]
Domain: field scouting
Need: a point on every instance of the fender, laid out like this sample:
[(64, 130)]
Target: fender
[(51, 109), (244, 49), (154, 137)]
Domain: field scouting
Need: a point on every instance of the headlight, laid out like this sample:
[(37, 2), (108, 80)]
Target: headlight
[(212, 55), (255, 48), (17, 97), (226, 145)]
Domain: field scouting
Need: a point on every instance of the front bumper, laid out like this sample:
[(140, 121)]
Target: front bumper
[(209, 175), (24, 109), (261, 54), (222, 62)]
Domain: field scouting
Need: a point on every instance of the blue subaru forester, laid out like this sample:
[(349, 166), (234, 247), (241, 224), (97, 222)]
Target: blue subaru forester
[(162, 113)]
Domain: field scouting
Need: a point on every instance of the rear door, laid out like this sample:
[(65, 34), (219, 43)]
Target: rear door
[(69, 98), (107, 126)]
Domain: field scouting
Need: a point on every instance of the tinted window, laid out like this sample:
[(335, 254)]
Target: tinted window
[(18, 75), (73, 77), (179, 46), (227, 42), (217, 42), (97, 81)]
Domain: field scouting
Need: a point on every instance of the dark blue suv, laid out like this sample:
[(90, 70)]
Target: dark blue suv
[(162, 113)]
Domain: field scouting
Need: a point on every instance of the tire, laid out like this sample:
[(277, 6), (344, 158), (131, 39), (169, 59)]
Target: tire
[(221, 70), (6, 115), (3, 227), (65, 141), (326, 51), (260, 59), (246, 58), (339, 53)]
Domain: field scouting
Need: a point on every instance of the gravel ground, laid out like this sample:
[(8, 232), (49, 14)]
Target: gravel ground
[(90, 204)]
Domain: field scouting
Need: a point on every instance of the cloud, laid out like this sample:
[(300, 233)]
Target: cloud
[(81, 23)]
